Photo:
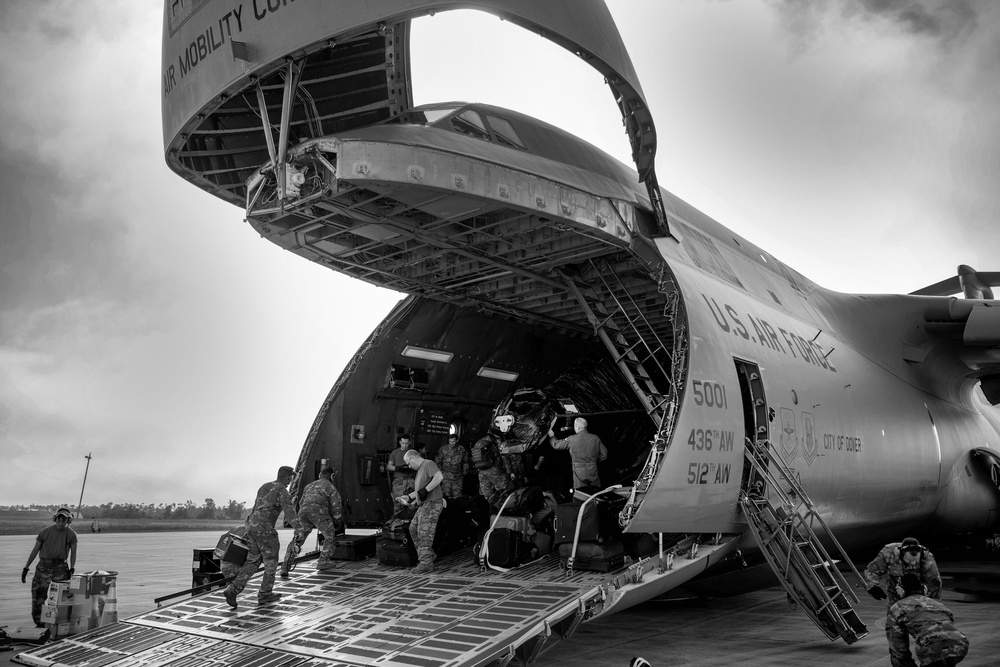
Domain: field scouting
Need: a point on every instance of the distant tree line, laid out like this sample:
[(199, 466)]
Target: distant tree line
[(186, 510)]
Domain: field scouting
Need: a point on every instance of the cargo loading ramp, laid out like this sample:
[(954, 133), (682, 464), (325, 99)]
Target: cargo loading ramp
[(367, 614), (345, 618)]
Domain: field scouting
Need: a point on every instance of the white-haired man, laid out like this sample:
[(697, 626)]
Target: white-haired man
[(430, 499), (585, 450)]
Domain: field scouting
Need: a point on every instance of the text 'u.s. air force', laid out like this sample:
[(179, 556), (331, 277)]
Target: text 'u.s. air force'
[(760, 331)]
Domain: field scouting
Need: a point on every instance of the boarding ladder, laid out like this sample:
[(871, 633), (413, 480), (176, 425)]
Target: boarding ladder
[(652, 367), (783, 529)]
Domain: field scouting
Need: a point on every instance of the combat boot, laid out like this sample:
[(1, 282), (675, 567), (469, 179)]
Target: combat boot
[(422, 568), (325, 565), (265, 598), (230, 597)]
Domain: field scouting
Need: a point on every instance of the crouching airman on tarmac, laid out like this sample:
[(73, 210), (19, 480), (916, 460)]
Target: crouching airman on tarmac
[(895, 560), (430, 501), (262, 538)]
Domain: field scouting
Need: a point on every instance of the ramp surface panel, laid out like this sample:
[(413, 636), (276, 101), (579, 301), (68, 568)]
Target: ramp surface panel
[(360, 614)]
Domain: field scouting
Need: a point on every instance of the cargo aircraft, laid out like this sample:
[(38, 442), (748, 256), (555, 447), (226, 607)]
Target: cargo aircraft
[(756, 421)]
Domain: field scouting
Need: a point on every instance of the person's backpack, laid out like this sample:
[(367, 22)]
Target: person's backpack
[(485, 454)]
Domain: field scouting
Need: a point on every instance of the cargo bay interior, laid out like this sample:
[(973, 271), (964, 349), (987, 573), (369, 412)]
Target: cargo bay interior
[(388, 391)]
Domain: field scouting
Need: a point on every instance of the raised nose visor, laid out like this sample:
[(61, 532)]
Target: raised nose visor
[(441, 224)]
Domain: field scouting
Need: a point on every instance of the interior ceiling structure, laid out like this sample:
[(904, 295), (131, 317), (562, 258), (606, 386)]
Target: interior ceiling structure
[(503, 260)]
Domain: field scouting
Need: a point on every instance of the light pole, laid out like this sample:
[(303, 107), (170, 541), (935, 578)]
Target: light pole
[(80, 504)]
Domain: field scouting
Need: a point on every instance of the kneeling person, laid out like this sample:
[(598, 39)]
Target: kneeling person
[(931, 624), (430, 499)]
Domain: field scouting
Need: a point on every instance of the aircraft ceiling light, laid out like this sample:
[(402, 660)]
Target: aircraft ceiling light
[(496, 374), (428, 354)]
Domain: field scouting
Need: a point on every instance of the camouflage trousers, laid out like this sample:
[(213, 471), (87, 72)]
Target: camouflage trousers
[(942, 647), (327, 527), (423, 527), (262, 547), (451, 486), (45, 572), (401, 485), (494, 485)]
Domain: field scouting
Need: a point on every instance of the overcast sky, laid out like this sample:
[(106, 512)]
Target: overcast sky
[(143, 321)]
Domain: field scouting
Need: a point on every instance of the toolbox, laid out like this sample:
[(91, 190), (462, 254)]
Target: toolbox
[(232, 548), (354, 547)]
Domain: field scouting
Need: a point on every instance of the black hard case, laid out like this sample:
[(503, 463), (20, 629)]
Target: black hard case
[(397, 554), (354, 547)]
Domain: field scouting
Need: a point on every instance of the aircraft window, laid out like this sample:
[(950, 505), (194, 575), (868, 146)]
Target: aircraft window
[(504, 132), (421, 117), (471, 123), (434, 115)]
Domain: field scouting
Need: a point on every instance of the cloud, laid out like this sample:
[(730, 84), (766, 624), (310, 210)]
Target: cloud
[(947, 21)]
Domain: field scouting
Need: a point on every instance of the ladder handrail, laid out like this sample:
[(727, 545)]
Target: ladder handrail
[(628, 318), (775, 457), (834, 624), (807, 532)]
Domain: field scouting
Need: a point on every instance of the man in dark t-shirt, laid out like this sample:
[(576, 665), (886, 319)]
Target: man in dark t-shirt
[(53, 546)]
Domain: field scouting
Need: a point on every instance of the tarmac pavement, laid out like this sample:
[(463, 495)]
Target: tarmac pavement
[(757, 628)]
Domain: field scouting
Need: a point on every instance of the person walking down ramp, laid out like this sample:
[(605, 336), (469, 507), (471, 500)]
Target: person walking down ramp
[(53, 546), (937, 641), (262, 538), (320, 508)]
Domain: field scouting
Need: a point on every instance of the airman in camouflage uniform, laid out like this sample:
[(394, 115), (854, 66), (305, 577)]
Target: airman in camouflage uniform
[(430, 502), (931, 624), (514, 468), (262, 538), (897, 559), (320, 508), (453, 460), (494, 484), (402, 474)]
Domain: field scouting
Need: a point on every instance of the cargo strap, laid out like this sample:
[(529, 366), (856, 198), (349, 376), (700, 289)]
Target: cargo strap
[(484, 550), (579, 521)]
